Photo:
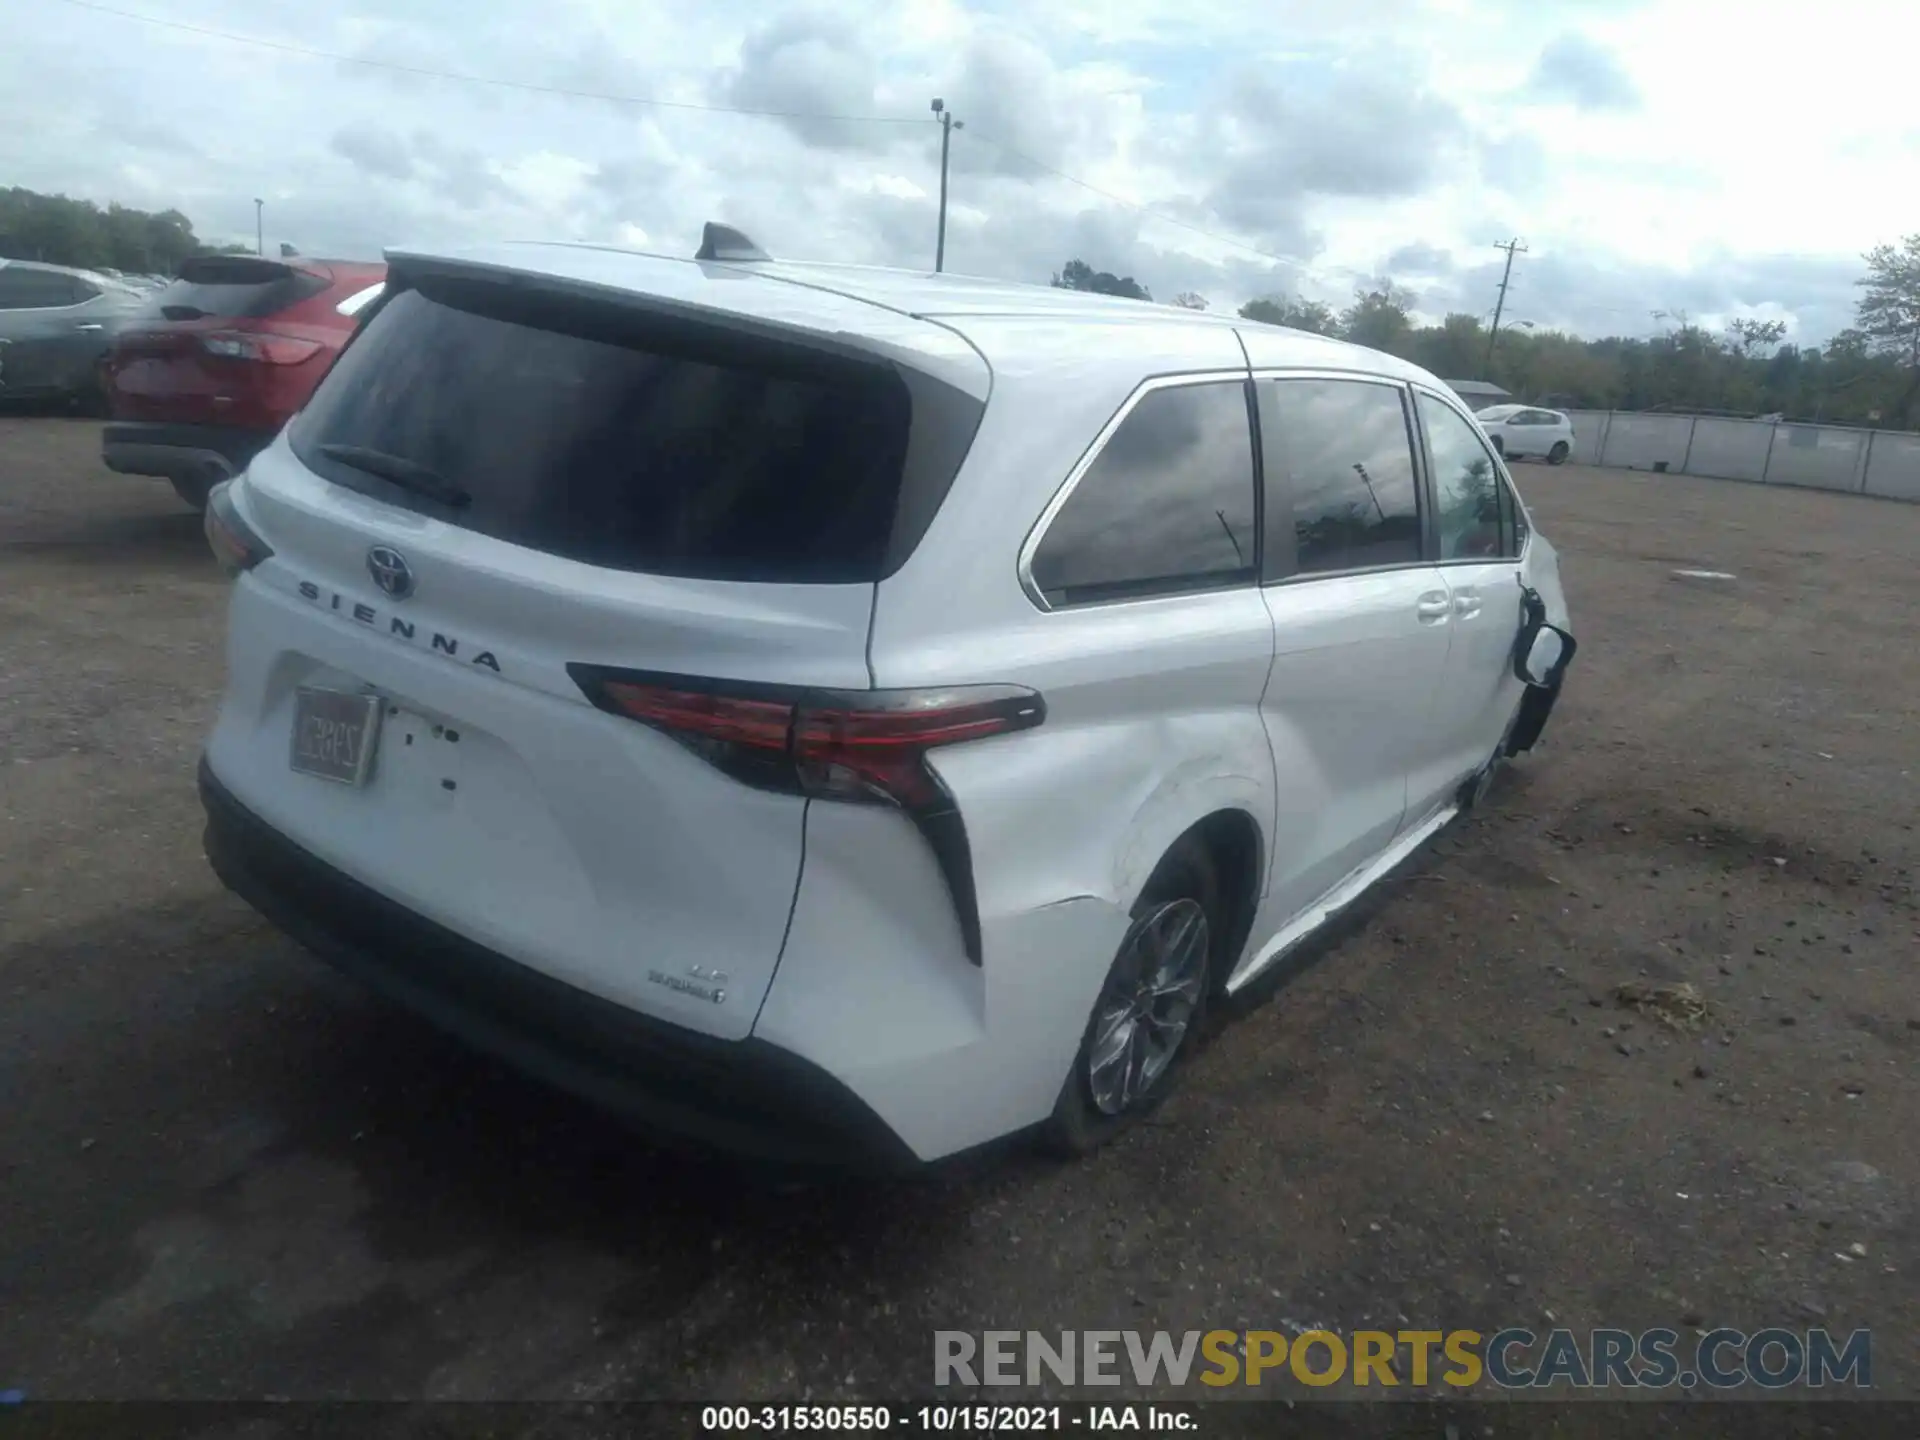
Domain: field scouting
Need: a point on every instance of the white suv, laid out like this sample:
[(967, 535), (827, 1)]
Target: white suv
[(845, 714)]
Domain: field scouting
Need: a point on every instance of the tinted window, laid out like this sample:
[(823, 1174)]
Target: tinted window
[(1340, 486), (595, 434), (24, 289), (236, 287), (1513, 518), (1167, 505), (1468, 493)]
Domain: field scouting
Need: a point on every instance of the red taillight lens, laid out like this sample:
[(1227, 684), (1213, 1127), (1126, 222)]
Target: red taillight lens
[(262, 349), (839, 745), (234, 544), (765, 724), (877, 746)]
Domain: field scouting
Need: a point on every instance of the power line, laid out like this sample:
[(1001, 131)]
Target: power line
[(421, 70)]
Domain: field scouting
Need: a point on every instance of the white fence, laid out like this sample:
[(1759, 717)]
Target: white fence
[(1821, 457)]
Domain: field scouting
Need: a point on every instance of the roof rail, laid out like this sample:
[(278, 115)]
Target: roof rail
[(723, 242)]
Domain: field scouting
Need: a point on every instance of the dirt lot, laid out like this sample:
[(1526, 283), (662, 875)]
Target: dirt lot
[(226, 1174)]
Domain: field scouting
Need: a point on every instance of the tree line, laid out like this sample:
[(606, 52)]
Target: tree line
[(1868, 374), (62, 231)]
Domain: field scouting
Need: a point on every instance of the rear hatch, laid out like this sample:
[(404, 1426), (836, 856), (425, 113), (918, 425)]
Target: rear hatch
[(508, 500), (206, 349)]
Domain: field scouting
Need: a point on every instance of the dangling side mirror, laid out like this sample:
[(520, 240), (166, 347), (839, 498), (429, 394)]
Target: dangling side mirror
[(1546, 657), (1541, 652)]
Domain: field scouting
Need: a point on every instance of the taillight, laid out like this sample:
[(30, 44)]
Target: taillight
[(853, 745), (874, 745), (263, 349), (234, 543)]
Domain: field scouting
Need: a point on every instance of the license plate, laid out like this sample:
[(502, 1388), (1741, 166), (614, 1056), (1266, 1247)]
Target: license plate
[(334, 734)]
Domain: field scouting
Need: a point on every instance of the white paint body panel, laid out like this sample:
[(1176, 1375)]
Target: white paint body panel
[(1337, 714)]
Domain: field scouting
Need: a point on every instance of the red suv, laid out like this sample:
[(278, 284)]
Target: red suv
[(203, 379)]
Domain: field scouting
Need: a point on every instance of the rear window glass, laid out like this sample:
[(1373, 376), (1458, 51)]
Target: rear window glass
[(240, 289), (624, 441)]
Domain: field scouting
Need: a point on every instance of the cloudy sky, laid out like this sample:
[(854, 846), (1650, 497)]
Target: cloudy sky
[(1654, 155)]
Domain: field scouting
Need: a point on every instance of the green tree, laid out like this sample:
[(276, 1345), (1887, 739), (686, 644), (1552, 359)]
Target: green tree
[(63, 231), (1748, 335), (1078, 275), (1309, 315), (1888, 318), (1453, 349), (1380, 317), (1867, 374)]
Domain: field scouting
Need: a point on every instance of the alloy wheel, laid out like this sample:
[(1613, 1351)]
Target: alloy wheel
[(1148, 1004)]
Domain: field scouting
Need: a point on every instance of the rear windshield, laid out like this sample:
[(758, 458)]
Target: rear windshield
[(625, 441), (238, 288)]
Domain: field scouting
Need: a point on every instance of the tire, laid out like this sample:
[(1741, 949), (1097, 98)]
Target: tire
[(1558, 454), (193, 488), (1103, 1096), (1499, 447)]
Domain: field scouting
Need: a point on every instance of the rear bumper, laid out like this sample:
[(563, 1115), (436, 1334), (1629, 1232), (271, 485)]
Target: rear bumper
[(179, 451), (746, 1097)]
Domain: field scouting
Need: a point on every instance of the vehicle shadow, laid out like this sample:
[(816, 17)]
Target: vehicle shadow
[(306, 1126)]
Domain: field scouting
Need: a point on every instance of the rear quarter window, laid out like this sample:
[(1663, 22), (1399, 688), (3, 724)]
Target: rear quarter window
[(631, 442), (1166, 506)]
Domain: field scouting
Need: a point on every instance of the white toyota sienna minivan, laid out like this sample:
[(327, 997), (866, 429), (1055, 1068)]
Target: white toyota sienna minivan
[(847, 715)]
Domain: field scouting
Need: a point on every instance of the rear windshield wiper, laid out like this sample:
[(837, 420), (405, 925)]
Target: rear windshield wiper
[(184, 312), (407, 474)]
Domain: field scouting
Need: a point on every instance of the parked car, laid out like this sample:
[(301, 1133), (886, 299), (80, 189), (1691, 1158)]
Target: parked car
[(1518, 431), (219, 359), (843, 713), (55, 326)]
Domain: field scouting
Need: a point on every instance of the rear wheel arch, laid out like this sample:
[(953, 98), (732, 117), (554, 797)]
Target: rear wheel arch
[(1236, 852)]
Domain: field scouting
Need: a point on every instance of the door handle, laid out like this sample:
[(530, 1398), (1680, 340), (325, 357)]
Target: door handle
[(90, 327), (1432, 607), (1466, 606)]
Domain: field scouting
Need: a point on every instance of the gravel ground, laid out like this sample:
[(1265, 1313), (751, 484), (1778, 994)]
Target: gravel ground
[(227, 1174)]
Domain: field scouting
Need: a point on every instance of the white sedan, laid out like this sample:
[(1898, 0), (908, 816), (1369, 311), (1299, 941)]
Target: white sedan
[(1519, 430)]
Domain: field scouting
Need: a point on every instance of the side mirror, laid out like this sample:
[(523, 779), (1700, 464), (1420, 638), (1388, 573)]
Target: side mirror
[(1541, 652), (1542, 660)]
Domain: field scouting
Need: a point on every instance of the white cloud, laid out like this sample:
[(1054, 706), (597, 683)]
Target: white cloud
[(1314, 151)]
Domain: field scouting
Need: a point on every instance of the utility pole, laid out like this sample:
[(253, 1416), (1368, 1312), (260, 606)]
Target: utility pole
[(1511, 247), (947, 126), (259, 228)]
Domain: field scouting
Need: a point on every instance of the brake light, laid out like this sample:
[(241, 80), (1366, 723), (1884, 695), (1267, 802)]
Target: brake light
[(234, 543), (262, 349), (834, 744), (852, 745)]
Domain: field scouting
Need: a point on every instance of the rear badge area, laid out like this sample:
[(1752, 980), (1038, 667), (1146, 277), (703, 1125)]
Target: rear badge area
[(397, 627)]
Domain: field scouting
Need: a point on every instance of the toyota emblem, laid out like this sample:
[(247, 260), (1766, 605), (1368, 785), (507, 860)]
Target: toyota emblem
[(390, 571)]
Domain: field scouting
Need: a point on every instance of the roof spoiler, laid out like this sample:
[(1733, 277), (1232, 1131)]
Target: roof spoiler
[(723, 242)]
